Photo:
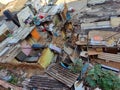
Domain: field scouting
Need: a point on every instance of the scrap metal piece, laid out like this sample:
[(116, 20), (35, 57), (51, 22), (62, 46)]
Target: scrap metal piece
[(61, 74)]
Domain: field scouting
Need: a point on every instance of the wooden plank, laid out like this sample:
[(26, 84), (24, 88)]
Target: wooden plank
[(61, 74), (109, 57), (110, 63), (93, 52), (10, 55)]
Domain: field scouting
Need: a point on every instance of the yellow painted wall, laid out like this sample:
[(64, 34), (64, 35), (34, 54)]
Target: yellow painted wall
[(46, 58)]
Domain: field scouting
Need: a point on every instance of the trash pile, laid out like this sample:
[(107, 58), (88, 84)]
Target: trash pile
[(75, 51)]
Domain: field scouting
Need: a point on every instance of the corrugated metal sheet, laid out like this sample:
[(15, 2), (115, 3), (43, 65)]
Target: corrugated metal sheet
[(96, 25), (61, 74), (46, 83)]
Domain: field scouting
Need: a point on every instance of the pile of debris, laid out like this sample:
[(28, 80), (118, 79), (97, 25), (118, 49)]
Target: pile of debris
[(66, 47)]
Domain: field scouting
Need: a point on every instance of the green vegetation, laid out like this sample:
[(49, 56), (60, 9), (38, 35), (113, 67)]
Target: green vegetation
[(1, 67), (77, 66), (13, 80), (103, 79)]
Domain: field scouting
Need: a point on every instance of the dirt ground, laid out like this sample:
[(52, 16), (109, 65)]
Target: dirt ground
[(30, 70)]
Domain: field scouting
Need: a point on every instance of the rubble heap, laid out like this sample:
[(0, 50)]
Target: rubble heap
[(65, 48)]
